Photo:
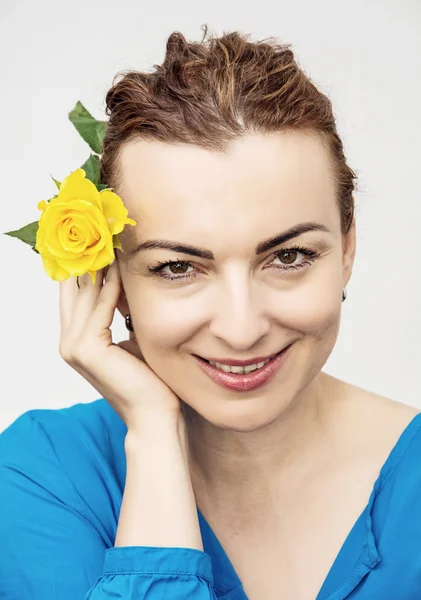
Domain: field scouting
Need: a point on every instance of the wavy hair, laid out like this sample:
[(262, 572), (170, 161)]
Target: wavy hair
[(207, 93)]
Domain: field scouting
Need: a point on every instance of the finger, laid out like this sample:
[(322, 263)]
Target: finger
[(106, 302), (67, 297), (86, 299)]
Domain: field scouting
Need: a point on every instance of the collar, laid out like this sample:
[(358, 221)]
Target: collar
[(358, 556)]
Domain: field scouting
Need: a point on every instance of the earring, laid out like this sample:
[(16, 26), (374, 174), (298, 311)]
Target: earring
[(129, 323), (344, 295)]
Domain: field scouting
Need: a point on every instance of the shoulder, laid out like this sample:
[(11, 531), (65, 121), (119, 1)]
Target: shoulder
[(387, 419), (396, 430), (75, 453), (391, 431), (374, 429), (374, 416), (87, 427), (388, 438), (93, 420)]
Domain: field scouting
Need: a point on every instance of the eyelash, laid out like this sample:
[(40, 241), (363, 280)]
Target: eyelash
[(311, 255)]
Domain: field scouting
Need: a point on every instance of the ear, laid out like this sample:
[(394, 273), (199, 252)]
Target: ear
[(349, 244)]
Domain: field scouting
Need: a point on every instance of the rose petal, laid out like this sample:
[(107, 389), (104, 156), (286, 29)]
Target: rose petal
[(76, 187), (53, 270), (115, 212)]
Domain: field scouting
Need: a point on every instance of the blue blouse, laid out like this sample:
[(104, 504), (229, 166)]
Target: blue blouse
[(62, 475)]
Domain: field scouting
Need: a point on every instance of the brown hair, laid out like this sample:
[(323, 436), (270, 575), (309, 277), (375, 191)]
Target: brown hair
[(210, 92)]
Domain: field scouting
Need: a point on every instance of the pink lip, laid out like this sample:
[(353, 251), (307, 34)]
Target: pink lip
[(247, 381)]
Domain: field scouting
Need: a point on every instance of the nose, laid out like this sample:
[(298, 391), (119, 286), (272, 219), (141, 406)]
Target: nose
[(239, 319)]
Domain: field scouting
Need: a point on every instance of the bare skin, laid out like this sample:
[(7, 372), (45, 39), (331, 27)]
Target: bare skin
[(282, 473), (282, 533)]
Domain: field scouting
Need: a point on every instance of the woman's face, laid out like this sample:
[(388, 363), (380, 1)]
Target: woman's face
[(241, 303)]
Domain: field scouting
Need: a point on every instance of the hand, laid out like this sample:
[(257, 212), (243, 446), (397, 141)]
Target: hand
[(118, 371)]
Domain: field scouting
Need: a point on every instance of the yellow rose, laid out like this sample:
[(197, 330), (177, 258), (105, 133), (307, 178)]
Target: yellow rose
[(76, 229)]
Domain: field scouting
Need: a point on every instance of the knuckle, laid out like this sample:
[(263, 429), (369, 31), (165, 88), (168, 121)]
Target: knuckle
[(72, 353), (80, 353), (64, 350)]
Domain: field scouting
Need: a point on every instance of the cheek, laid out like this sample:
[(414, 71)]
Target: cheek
[(313, 309), (160, 321), (163, 324)]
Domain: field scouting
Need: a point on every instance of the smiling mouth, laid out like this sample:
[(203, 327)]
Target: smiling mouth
[(241, 380), (267, 360)]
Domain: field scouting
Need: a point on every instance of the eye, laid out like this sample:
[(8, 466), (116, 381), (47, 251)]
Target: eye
[(288, 257), (178, 269)]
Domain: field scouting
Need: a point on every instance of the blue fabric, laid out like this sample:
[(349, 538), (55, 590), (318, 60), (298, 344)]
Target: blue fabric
[(62, 475)]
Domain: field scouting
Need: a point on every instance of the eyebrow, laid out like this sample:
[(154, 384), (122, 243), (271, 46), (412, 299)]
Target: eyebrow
[(203, 253)]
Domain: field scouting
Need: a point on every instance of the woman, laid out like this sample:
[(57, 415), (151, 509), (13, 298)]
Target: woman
[(190, 478)]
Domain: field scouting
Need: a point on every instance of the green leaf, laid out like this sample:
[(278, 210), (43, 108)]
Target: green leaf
[(101, 186), (27, 234), (58, 183), (92, 168), (117, 242), (91, 130)]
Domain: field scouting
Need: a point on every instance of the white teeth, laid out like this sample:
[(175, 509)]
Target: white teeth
[(247, 369)]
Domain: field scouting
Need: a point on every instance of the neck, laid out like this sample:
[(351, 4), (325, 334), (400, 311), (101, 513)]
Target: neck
[(228, 465)]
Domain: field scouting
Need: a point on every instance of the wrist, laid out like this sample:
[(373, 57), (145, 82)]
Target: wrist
[(154, 428)]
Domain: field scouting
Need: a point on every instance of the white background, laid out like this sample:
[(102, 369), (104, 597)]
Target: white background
[(366, 55)]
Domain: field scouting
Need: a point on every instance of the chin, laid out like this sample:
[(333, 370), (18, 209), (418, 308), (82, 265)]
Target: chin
[(243, 416)]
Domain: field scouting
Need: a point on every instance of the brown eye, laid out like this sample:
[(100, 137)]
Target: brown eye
[(175, 267), (288, 256)]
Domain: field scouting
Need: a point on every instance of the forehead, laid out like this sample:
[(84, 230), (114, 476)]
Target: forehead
[(283, 176)]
